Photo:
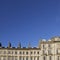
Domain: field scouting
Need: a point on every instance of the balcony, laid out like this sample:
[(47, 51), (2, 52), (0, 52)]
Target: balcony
[(50, 54)]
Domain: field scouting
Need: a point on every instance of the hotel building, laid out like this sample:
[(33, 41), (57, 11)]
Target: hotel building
[(46, 50)]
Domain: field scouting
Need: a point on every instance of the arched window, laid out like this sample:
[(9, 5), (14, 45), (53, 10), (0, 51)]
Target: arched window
[(20, 58), (58, 58), (57, 51), (50, 58), (0, 57), (31, 58), (27, 58), (34, 58), (44, 57), (23, 58), (38, 58)]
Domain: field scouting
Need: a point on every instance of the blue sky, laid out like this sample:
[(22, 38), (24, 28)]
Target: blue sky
[(28, 21)]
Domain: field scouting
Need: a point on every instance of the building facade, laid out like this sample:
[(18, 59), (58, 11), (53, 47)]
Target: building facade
[(46, 50)]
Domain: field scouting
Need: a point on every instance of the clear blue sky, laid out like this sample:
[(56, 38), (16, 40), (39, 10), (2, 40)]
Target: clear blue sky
[(28, 21)]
